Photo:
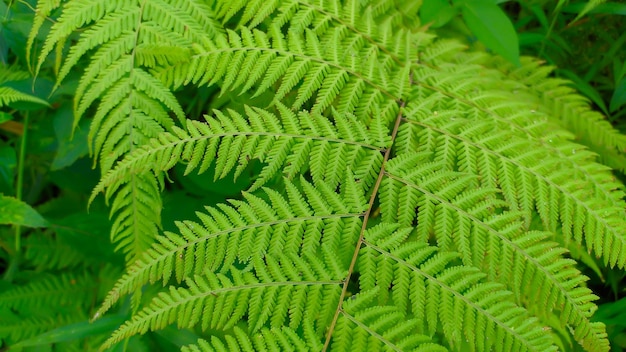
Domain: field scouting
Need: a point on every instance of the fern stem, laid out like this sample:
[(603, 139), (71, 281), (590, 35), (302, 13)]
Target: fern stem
[(366, 217), (8, 274), (20, 178)]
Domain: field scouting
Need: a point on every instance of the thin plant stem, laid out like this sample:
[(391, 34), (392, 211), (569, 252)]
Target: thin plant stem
[(20, 178), (13, 265)]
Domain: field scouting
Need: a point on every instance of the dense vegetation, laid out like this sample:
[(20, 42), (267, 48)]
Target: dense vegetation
[(312, 175)]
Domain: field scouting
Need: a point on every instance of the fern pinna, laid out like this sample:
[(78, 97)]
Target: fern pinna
[(412, 195)]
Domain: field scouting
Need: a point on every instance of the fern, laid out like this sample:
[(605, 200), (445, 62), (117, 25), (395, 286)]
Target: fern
[(561, 103), (290, 144), (133, 104), (9, 94), (411, 195), (268, 340)]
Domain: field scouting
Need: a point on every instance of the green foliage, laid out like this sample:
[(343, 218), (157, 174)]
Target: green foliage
[(390, 189), (574, 37)]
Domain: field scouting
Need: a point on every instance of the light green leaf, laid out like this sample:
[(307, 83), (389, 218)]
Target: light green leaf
[(590, 5), (492, 27), (16, 212)]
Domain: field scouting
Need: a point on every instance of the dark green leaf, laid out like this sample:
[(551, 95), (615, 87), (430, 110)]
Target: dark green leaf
[(72, 146), (609, 8), (492, 27), (8, 161), (437, 12), (177, 337)]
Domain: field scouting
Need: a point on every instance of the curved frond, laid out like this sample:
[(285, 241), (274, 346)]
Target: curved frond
[(51, 292), (290, 144), (531, 177), (564, 105), (123, 38), (284, 339), (248, 231), (9, 95), (449, 209), (273, 294), (446, 297), (301, 68)]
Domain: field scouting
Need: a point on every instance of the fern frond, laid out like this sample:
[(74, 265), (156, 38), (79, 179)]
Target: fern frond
[(359, 22), (9, 95), (12, 73), (43, 251), (51, 292), (563, 105), (15, 328), (364, 326), (450, 209), (273, 294), (446, 296), (307, 67), (133, 104), (42, 12), (528, 176), (248, 231), (513, 105), (291, 144), (284, 339), (137, 216)]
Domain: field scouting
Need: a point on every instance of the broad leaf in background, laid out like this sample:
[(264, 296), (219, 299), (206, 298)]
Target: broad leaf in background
[(437, 12), (16, 212), (492, 27), (619, 95), (72, 144)]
